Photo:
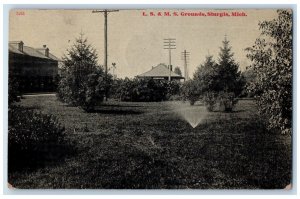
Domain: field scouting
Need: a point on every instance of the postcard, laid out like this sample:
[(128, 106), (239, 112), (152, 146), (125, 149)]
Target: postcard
[(150, 98)]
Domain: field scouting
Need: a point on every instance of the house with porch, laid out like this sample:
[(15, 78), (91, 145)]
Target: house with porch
[(161, 71)]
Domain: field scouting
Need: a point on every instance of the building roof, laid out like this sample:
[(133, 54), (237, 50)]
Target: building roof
[(160, 71), (31, 52)]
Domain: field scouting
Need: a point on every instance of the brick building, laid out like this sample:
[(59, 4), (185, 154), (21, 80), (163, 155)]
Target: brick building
[(35, 69)]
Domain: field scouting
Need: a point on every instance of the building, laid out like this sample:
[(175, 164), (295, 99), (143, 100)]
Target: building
[(35, 69), (161, 71)]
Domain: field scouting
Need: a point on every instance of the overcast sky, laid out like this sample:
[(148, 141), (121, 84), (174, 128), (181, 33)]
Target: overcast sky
[(135, 42)]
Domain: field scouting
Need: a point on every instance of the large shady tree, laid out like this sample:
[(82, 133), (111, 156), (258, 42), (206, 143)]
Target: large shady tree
[(271, 57)]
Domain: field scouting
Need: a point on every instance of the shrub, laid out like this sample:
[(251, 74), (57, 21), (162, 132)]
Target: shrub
[(115, 90), (173, 89), (142, 90), (210, 100), (223, 100), (93, 91), (227, 101), (34, 139), (83, 82), (175, 98), (64, 91), (190, 91), (13, 90)]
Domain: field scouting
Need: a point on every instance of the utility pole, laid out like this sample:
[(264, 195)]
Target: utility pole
[(105, 12), (170, 44), (185, 57)]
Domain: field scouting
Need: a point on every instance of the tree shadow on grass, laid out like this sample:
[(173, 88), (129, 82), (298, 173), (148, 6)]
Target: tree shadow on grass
[(47, 154), (116, 111), (228, 112), (119, 105), (238, 111)]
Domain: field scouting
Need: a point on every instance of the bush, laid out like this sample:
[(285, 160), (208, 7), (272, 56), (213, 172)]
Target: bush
[(83, 82), (13, 90), (64, 91), (145, 90), (115, 90), (223, 100), (93, 91), (34, 139), (190, 91), (227, 101), (173, 89), (210, 100), (175, 98)]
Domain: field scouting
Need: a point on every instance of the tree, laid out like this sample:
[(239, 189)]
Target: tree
[(82, 83), (223, 76), (219, 82), (227, 76), (177, 71), (204, 75), (271, 57)]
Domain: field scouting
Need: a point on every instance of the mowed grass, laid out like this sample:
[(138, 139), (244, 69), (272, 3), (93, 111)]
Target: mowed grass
[(126, 145)]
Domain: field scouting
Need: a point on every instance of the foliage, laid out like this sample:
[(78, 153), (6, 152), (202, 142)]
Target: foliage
[(83, 82), (271, 57), (227, 76), (144, 90), (223, 76), (173, 88), (33, 138), (115, 88), (218, 83), (190, 91), (250, 77), (13, 90), (227, 101), (224, 101), (177, 71), (210, 100), (205, 74)]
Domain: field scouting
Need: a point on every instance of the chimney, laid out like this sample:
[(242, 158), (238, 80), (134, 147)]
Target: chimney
[(21, 45), (44, 50), (17, 44), (47, 52)]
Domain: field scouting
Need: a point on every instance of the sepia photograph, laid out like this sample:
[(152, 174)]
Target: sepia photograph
[(150, 99)]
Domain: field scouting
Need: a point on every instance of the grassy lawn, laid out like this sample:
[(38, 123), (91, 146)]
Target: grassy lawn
[(149, 145)]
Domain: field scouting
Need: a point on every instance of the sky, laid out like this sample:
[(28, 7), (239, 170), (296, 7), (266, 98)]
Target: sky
[(135, 41)]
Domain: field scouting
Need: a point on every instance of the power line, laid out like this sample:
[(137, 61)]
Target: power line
[(185, 57), (170, 44), (105, 12)]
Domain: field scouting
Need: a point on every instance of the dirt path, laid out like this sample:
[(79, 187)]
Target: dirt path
[(38, 94)]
